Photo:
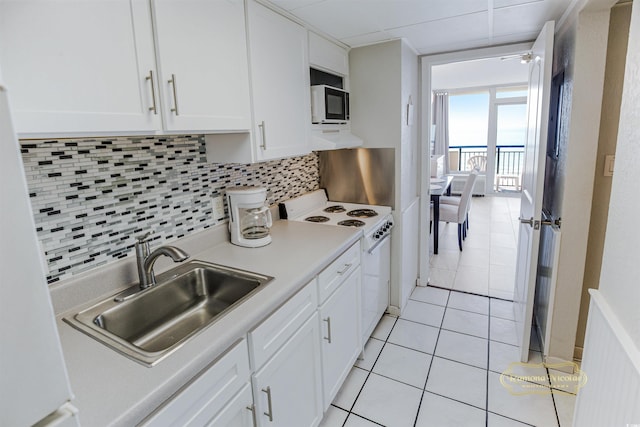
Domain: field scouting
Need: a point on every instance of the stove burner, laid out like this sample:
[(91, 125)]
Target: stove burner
[(351, 223), (362, 213), (317, 218), (335, 209)]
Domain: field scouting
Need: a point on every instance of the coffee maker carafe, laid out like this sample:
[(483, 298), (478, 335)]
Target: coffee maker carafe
[(249, 216)]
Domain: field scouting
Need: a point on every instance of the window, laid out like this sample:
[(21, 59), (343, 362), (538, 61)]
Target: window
[(468, 119), (487, 128)]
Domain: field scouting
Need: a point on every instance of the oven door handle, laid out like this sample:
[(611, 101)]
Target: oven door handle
[(378, 243)]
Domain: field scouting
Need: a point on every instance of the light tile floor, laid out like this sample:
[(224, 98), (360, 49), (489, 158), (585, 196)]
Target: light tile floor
[(486, 265), (442, 363)]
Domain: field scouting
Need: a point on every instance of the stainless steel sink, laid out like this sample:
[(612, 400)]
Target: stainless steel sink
[(147, 325)]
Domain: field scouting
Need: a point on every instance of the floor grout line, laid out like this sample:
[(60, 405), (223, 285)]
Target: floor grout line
[(424, 389)]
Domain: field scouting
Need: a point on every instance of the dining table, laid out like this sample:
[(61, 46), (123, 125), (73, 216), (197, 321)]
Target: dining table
[(438, 186)]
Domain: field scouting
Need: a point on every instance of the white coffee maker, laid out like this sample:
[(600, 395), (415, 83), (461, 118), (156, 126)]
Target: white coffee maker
[(249, 216)]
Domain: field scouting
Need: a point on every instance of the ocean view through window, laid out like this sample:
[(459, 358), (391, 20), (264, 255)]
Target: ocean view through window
[(489, 123)]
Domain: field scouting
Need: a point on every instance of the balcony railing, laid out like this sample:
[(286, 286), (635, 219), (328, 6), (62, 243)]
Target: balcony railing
[(508, 163)]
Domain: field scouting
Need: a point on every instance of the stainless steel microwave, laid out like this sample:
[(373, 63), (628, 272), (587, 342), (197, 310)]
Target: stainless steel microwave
[(329, 104)]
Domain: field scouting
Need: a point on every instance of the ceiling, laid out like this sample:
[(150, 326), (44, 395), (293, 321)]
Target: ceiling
[(430, 26)]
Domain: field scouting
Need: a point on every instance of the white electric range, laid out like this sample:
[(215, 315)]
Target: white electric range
[(376, 223)]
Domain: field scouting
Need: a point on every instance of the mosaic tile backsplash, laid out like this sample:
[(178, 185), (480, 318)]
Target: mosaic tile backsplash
[(91, 197)]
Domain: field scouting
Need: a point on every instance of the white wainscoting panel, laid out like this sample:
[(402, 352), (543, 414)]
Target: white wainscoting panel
[(611, 396)]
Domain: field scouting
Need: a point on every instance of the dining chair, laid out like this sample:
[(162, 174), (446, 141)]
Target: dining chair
[(458, 213), (455, 200)]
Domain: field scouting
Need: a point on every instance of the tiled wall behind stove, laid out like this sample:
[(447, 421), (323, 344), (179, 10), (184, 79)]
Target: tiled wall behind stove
[(91, 197)]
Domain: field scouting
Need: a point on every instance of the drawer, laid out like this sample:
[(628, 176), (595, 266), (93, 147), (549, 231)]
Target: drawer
[(208, 393), (332, 276), (271, 334)]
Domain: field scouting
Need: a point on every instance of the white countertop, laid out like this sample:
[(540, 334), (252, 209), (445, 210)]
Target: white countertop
[(111, 389)]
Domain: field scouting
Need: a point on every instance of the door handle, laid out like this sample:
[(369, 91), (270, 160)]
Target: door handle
[(328, 337), (252, 408), (172, 82), (263, 128), (153, 92), (536, 224), (270, 408), (527, 221)]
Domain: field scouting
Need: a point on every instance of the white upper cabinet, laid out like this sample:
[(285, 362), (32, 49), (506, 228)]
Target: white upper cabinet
[(327, 56), (77, 67), (201, 52), (74, 66), (280, 84)]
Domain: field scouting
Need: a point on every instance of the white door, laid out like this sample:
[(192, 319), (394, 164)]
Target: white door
[(532, 184), (202, 64)]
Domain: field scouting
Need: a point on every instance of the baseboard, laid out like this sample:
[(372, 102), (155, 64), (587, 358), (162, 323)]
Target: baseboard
[(393, 310), (567, 366)]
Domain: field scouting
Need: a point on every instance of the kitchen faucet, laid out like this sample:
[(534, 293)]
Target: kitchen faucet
[(146, 260)]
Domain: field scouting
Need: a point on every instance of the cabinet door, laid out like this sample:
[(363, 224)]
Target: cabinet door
[(325, 55), (202, 63), (78, 67), (280, 84), (287, 390), (206, 397), (237, 413), (340, 319)]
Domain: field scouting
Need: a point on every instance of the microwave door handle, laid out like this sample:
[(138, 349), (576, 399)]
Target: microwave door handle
[(346, 106)]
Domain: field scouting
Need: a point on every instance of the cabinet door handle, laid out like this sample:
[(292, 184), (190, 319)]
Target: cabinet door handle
[(252, 408), (172, 82), (153, 92), (270, 408), (263, 129), (328, 337), (345, 269)]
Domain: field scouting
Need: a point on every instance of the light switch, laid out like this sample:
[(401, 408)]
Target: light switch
[(609, 161)]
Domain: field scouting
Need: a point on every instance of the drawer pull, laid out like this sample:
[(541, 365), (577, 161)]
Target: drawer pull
[(270, 413), (345, 269), (328, 337)]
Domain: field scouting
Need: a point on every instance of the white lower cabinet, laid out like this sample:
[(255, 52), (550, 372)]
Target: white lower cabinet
[(238, 412), (205, 400), (287, 390), (339, 318), (290, 367)]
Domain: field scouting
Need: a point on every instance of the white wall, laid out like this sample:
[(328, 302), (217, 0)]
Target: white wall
[(612, 343), (479, 72), (614, 77), (620, 262), (383, 77)]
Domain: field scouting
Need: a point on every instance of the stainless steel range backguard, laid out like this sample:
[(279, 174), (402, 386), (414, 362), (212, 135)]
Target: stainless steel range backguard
[(359, 175)]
